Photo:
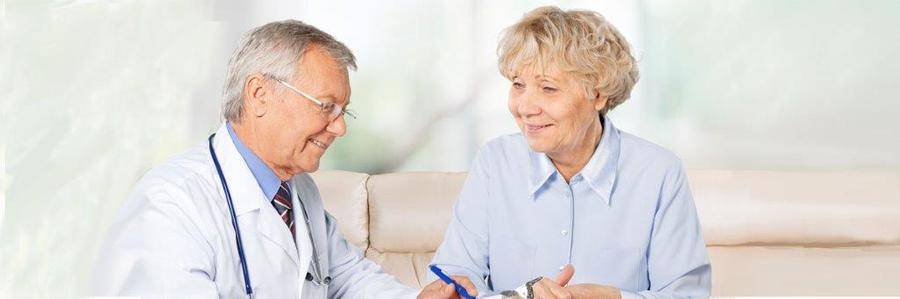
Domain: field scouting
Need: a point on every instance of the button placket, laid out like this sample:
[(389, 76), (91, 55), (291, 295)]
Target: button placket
[(565, 231)]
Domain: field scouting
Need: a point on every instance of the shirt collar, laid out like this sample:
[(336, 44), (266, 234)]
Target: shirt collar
[(265, 177), (541, 171), (599, 172)]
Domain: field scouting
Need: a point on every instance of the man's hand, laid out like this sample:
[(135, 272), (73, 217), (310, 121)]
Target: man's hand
[(554, 288), (438, 289), (589, 290)]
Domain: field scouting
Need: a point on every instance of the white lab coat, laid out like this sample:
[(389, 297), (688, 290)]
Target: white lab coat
[(173, 237)]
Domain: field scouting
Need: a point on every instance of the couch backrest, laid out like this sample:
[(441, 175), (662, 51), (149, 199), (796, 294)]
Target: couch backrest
[(768, 233), (817, 209)]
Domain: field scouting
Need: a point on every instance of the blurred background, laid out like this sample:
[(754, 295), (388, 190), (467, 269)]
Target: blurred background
[(94, 93)]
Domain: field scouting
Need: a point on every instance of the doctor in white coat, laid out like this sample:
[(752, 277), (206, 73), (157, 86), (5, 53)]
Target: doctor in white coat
[(178, 235)]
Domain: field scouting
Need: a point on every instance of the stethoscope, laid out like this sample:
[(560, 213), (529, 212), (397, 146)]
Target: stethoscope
[(317, 277)]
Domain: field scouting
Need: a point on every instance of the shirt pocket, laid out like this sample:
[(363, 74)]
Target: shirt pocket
[(511, 263), (624, 268)]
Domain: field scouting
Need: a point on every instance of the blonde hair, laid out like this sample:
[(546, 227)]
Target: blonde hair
[(580, 42)]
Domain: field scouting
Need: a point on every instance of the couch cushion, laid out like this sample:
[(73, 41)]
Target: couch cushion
[(799, 271), (834, 208), (408, 212), (345, 196), (410, 268)]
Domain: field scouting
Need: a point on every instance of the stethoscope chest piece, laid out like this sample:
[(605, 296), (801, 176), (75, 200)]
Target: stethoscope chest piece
[(323, 282)]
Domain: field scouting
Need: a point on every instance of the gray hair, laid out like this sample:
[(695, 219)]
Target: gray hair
[(275, 49)]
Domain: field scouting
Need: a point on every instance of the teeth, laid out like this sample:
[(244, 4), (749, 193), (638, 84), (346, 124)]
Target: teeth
[(317, 143)]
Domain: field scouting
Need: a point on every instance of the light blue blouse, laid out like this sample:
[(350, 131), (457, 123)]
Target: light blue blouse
[(627, 219)]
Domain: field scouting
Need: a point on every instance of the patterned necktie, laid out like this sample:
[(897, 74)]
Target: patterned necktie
[(282, 204)]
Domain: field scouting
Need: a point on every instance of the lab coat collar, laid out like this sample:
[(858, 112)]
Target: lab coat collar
[(305, 190), (245, 192), (247, 195)]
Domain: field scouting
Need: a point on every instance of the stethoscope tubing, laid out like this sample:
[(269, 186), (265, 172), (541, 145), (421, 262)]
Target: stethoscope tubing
[(317, 280), (234, 223)]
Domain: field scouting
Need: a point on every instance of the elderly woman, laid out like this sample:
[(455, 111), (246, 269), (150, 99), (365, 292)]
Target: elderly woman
[(571, 189)]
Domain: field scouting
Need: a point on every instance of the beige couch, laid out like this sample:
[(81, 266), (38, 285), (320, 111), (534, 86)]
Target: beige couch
[(768, 233)]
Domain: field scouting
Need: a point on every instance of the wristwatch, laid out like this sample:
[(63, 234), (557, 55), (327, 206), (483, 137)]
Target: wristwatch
[(529, 285), (521, 292)]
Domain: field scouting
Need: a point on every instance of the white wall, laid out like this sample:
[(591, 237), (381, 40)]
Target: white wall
[(94, 94), (773, 84)]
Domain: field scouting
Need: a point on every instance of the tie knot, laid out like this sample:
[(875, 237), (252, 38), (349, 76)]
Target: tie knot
[(282, 204), (285, 188), (282, 200)]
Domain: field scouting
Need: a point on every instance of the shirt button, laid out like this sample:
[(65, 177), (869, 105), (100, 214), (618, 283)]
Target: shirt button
[(564, 232)]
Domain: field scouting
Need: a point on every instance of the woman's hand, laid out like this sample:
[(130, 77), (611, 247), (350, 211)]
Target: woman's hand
[(558, 288), (547, 288)]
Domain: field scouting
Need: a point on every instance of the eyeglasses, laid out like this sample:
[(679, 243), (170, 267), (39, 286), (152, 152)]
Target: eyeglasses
[(330, 111)]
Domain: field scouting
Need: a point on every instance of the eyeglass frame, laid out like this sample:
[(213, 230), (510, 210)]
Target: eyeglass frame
[(332, 116)]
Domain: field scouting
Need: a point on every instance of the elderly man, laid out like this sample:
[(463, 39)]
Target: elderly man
[(238, 215)]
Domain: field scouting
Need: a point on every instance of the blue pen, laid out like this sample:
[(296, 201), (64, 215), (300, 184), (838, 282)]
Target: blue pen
[(459, 289)]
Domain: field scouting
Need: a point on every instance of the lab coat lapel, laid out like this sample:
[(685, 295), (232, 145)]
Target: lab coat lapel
[(302, 193), (276, 232), (245, 192), (317, 220), (247, 196)]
